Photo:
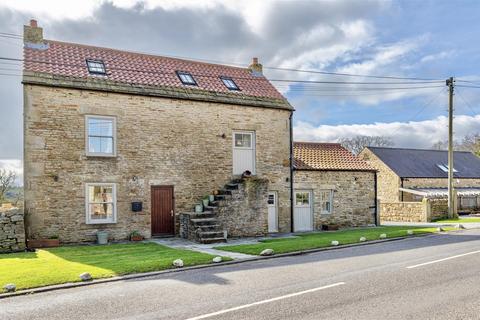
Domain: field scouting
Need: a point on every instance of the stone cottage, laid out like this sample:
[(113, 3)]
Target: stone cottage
[(121, 141), (413, 185), (332, 188)]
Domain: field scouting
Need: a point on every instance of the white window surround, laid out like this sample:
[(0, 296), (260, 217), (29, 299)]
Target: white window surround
[(114, 136), (113, 218), (326, 201)]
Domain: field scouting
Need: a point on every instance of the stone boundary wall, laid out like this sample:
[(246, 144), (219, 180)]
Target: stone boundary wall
[(12, 230), (404, 211), (425, 211)]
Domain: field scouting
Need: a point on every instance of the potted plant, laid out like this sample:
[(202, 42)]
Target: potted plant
[(205, 201), (52, 241), (136, 236), (199, 208)]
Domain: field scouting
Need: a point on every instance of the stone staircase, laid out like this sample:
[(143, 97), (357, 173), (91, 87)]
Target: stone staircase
[(204, 227)]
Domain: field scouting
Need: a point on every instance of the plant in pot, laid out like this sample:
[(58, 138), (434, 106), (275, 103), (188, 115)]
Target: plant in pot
[(199, 208), (136, 236), (205, 201), (52, 241)]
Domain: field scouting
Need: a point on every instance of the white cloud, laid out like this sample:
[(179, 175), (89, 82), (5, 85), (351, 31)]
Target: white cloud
[(13, 165), (419, 134)]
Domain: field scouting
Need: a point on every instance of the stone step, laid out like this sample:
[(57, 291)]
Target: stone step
[(210, 234), (209, 227), (211, 208), (202, 215), (204, 221), (231, 186), (222, 197), (226, 192), (212, 240)]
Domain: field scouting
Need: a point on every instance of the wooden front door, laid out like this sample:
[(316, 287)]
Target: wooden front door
[(163, 216)]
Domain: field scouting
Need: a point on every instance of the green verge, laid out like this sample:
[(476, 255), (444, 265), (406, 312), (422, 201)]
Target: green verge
[(65, 264), (464, 220), (323, 239)]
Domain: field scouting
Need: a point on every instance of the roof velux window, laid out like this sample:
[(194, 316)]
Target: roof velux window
[(96, 67), (186, 78), (229, 83), (444, 167)]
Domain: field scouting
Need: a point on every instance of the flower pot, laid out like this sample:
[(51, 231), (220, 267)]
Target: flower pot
[(199, 208), (205, 202), (136, 238), (102, 237), (43, 243)]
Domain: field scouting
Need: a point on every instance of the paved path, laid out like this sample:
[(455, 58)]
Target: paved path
[(179, 243), (433, 277)]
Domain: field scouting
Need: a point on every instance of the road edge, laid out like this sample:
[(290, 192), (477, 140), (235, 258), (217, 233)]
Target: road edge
[(211, 265)]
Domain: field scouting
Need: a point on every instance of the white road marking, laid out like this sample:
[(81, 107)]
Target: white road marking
[(444, 259), (208, 315)]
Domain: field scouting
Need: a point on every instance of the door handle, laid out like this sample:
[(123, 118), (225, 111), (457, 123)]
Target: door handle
[(171, 213)]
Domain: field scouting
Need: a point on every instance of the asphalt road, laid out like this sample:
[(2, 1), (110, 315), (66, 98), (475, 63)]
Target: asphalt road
[(434, 277)]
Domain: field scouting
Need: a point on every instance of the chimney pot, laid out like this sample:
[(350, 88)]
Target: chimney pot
[(33, 34), (256, 68)]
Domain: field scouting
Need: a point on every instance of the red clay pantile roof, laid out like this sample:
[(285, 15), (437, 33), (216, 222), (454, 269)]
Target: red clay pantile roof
[(326, 156), (69, 59)]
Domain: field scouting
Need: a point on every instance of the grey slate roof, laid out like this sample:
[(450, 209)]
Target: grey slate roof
[(417, 163)]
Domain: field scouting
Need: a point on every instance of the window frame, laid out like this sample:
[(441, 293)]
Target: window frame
[(244, 133), (322, 200), (194, 83), (104, 73), (309, 197), (114, 203), (235, 88), (114, 136)]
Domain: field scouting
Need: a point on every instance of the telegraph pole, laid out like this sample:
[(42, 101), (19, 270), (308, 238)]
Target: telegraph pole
[(451, 201)]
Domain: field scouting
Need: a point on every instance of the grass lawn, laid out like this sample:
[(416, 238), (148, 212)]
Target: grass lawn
[(64, 264), (324, 239), (464, 220)]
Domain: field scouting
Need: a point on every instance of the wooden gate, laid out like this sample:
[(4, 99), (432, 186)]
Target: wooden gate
[(163, 216)]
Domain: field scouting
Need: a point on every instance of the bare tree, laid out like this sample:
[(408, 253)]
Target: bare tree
[(7, 178), (357, 143), (470, 142)]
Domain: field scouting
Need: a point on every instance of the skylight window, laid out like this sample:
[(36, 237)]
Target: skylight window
[(186, 78), (229, 83), (96, 67), (444, 167)]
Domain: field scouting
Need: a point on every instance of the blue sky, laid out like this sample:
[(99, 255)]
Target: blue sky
[(431, 39)]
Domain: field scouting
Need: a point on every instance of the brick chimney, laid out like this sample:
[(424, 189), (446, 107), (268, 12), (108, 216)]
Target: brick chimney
[(32, 33), (256, 68)]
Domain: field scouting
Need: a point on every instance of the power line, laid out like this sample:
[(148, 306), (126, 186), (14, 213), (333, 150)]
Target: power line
[(428, 103), (466, 102), (351, 75), (214, 76)]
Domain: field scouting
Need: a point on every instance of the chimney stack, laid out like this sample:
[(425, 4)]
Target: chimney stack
[(256, 68), (33, 34)]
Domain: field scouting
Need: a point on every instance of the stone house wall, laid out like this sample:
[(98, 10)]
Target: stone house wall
[(160, 141), (404, 212), (388, 182), (12, 230), (353, 196), (245, 214)]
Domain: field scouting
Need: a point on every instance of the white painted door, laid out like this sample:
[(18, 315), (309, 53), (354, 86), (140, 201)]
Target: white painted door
[(243, 152), (272, 212), (302, 211)]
